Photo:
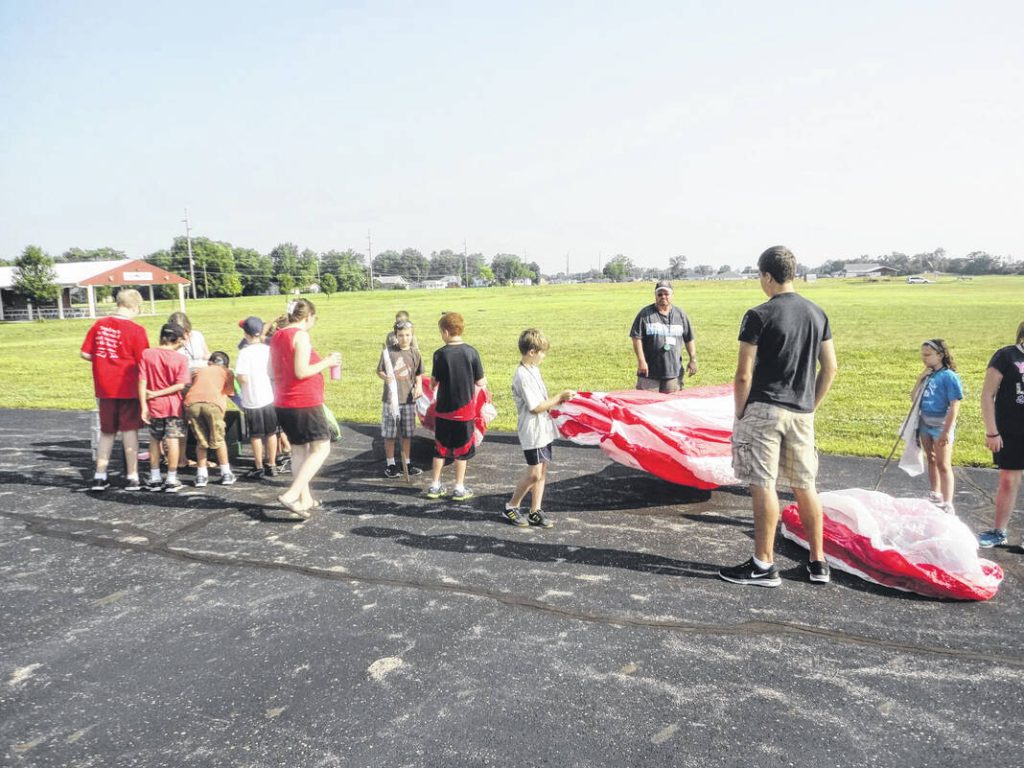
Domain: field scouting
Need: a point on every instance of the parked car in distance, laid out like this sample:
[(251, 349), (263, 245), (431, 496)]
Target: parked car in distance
[(917, 279)]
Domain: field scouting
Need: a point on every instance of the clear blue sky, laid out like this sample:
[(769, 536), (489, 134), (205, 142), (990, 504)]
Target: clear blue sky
[(539, 128)]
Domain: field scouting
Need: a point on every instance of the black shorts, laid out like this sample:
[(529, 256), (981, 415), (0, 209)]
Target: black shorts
[(261, 422), (535, 456), (453, 439), (304, 425), (1012, 455)]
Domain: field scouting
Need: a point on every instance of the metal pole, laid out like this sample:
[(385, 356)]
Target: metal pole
[(369, 256), (191, 262), (465, 261)]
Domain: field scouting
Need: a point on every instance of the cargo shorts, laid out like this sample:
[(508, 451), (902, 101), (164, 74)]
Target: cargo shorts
[(769, 443)]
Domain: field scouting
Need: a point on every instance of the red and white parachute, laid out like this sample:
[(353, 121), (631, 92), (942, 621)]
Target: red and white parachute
[(681, 437), (906, 544), (426, 406)]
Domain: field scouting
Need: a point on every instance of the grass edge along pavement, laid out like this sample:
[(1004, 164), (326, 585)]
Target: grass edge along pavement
[(877, 327)]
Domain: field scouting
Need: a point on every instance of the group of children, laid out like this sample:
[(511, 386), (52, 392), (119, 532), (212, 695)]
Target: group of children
[(175, 389)]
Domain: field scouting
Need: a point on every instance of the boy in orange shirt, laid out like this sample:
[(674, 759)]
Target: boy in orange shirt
[(205, 403)]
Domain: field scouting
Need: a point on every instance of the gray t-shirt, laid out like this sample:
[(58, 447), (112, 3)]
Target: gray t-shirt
[(536, 430)]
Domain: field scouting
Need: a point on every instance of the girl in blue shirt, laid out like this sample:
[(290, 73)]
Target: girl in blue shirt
[(940, 405)]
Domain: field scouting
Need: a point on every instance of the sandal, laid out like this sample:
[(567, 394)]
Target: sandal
[(300, 513)]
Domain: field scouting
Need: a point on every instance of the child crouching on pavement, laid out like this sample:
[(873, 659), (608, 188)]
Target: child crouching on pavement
[(163, 374), (400, 367), (205, 403), (536, 430)]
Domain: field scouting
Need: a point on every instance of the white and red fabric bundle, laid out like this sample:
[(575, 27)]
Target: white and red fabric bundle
[(426, 407), (906, 544), (683, 437)]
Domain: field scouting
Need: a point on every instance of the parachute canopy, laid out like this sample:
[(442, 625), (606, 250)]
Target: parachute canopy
[(682, 437), (906, 544)]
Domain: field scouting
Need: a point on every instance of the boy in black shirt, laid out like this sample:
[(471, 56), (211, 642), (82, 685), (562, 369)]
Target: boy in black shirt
[(777, 390), (456, 375)]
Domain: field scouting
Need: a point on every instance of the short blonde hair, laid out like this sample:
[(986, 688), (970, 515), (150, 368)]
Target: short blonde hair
[(129, 298)]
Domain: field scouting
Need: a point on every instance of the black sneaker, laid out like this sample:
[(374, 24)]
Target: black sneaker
[(539, 518), (819, 572), (414, 470), (749, 573), (391, 471), (99, 484), (132, 484), (513, 516), (269, 471), (256, 473), (154, 485), (173, 486)]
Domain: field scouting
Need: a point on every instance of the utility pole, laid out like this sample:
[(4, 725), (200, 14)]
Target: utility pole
[(191, 263), (369, 256), (567, 265), (465, 261)]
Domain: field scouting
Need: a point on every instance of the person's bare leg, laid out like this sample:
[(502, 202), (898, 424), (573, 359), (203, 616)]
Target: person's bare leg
[(460, 473), (944, 469), (130, 441), (306, 462), (201, 456), (523, 487), (103, 451), (183, 453), (435, 472), (257, 452), (407, 448), (929, 448), (766, 518), (1006, 495), (537, 499), (271, 450), (172, 455), (809, 508), (389, 449)]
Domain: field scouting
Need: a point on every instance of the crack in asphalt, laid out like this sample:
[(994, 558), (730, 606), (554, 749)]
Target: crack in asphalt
[(161, 546)]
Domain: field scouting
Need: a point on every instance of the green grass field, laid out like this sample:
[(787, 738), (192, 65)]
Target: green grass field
[(877, 329)]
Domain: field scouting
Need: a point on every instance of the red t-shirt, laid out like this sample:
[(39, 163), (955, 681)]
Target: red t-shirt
[(116, 345), (161, 368), (290, 392)]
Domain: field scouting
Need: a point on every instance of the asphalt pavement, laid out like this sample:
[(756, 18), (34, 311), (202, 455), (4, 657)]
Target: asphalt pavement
[(141, 629)]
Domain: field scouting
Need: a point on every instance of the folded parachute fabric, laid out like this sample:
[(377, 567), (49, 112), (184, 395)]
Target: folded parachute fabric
[(683, 437), (906, 544), (426, 407)]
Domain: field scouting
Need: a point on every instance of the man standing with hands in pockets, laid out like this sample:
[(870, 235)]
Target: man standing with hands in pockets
[(786, 366)]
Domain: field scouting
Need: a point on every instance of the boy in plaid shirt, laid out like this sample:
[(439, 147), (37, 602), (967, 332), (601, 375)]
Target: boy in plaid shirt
[(400, 367)]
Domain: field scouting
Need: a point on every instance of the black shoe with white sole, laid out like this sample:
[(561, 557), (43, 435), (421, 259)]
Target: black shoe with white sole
[(749, 573), (819, 572)]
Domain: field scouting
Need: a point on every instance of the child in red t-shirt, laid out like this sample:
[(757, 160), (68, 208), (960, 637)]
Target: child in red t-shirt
[(163, 374), (114, 346), (205, 403)]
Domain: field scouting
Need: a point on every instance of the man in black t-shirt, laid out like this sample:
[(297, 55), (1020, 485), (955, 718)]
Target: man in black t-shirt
[(659, 333), (1002, 409), (786, 365)]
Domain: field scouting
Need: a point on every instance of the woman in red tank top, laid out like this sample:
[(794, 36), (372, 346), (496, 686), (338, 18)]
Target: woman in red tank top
[(299, 399)]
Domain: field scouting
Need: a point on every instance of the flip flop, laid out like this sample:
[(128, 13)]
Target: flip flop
[(299, 512)]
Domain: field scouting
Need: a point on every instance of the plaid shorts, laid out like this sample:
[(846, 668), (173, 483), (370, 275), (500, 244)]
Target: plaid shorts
[(770, 442), (402, 423)]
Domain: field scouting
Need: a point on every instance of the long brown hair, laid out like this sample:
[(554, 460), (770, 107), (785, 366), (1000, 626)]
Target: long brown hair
[(940, 346)]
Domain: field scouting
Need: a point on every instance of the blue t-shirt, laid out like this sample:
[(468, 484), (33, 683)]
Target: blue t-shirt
[(942, 387)]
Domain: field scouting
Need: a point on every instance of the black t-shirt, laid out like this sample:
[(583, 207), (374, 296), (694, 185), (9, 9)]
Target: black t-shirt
[(662, 338), (1009, 361), (788, 331), (457, 368)]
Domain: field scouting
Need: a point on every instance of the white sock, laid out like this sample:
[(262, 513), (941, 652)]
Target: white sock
[(391, 462), (154, 475), (134, 477), (202, 472), (225, 469), (459, 488), (172, 475), (100, 476), (763, 566)]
